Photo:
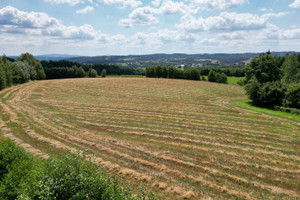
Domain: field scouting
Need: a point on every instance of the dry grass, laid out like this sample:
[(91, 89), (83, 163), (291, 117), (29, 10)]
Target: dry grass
[(181, 137)]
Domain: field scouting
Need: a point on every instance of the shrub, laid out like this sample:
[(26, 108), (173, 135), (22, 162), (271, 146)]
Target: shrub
[(292, 96), (212, 76), (15, 165), (92, 73), (67, 176), (103, 73)]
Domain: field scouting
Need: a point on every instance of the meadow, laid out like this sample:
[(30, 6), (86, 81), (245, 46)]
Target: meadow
[(185, 139)]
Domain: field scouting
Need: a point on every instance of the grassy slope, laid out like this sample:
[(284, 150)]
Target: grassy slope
[(248, 104), (182, 137)]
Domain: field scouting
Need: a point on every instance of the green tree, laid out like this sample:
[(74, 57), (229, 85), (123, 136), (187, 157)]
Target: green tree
[(92, 73), (164, 72), (103, 73), (290, 69), (195, 74), (7, 70), (212, 76), (2, 76), (172, 72), (20, 72), (253, 90), (266, 68), (292, 96), (158, 71), (223, 79), (27, 57), (150, 72), (80, 73)]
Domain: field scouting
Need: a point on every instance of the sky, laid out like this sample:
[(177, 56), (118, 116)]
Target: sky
[(123, 27)]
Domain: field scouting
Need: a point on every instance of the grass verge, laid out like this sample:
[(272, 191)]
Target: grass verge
[(248, 104)]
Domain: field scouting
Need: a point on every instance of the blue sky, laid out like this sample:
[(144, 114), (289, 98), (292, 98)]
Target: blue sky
[(122, 27)]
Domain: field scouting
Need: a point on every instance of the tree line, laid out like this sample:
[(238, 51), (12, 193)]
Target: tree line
[(188, 74), (26, 68), (274, 81), (63, 69), (23, 69)]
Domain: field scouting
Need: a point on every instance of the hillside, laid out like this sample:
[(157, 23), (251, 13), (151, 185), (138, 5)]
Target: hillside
[(171, 59), (183, 138)]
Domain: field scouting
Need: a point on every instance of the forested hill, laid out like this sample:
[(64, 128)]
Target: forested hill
[(171, 59)]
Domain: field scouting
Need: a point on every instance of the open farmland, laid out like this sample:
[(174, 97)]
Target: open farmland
[(183, 138)]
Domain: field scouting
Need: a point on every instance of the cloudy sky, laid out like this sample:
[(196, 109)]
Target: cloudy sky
[(121, 27)]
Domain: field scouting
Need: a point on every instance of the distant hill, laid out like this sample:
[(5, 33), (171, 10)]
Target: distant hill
[(141, 61), (53, 57), (171, 59)]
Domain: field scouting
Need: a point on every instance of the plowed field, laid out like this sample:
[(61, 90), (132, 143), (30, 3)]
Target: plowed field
[(183, 138)]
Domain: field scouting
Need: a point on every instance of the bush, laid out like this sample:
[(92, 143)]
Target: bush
[(66, 176), (92, 73), (272, 93), (266, 94), (292, 96), (212, 76), (15, 165), (103, 73)]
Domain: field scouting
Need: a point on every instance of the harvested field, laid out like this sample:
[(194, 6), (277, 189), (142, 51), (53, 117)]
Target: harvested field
[(183, 138)]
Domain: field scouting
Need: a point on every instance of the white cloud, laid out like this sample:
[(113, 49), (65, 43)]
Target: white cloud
[(217, 4), (156, 3), (171, 7), (224, 22), (142, 15), (290, 34), (295, 4), (69, 2), (269, 15), (126, 23), (125, 3), (13, 20), (12, 16), (266, 10), (236, 35), (85, 10)]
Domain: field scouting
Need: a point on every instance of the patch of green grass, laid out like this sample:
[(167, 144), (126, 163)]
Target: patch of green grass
[(231, 79), (234, 80), (248, 104)]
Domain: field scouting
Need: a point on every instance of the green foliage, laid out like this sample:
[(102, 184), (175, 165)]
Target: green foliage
[(223, 79), (212, 76), (217, 77), (103, 73), (78, 72), (292, 96), (290, 69), (271, 93), (172, 72), (2, 76), (6, 66), (252, 90), (92, 73), (272, 81), (266, 68), (164, 73), (195, 74), (67, 176), (265, 94), (20, 72), (15, 165), (37, 67)]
